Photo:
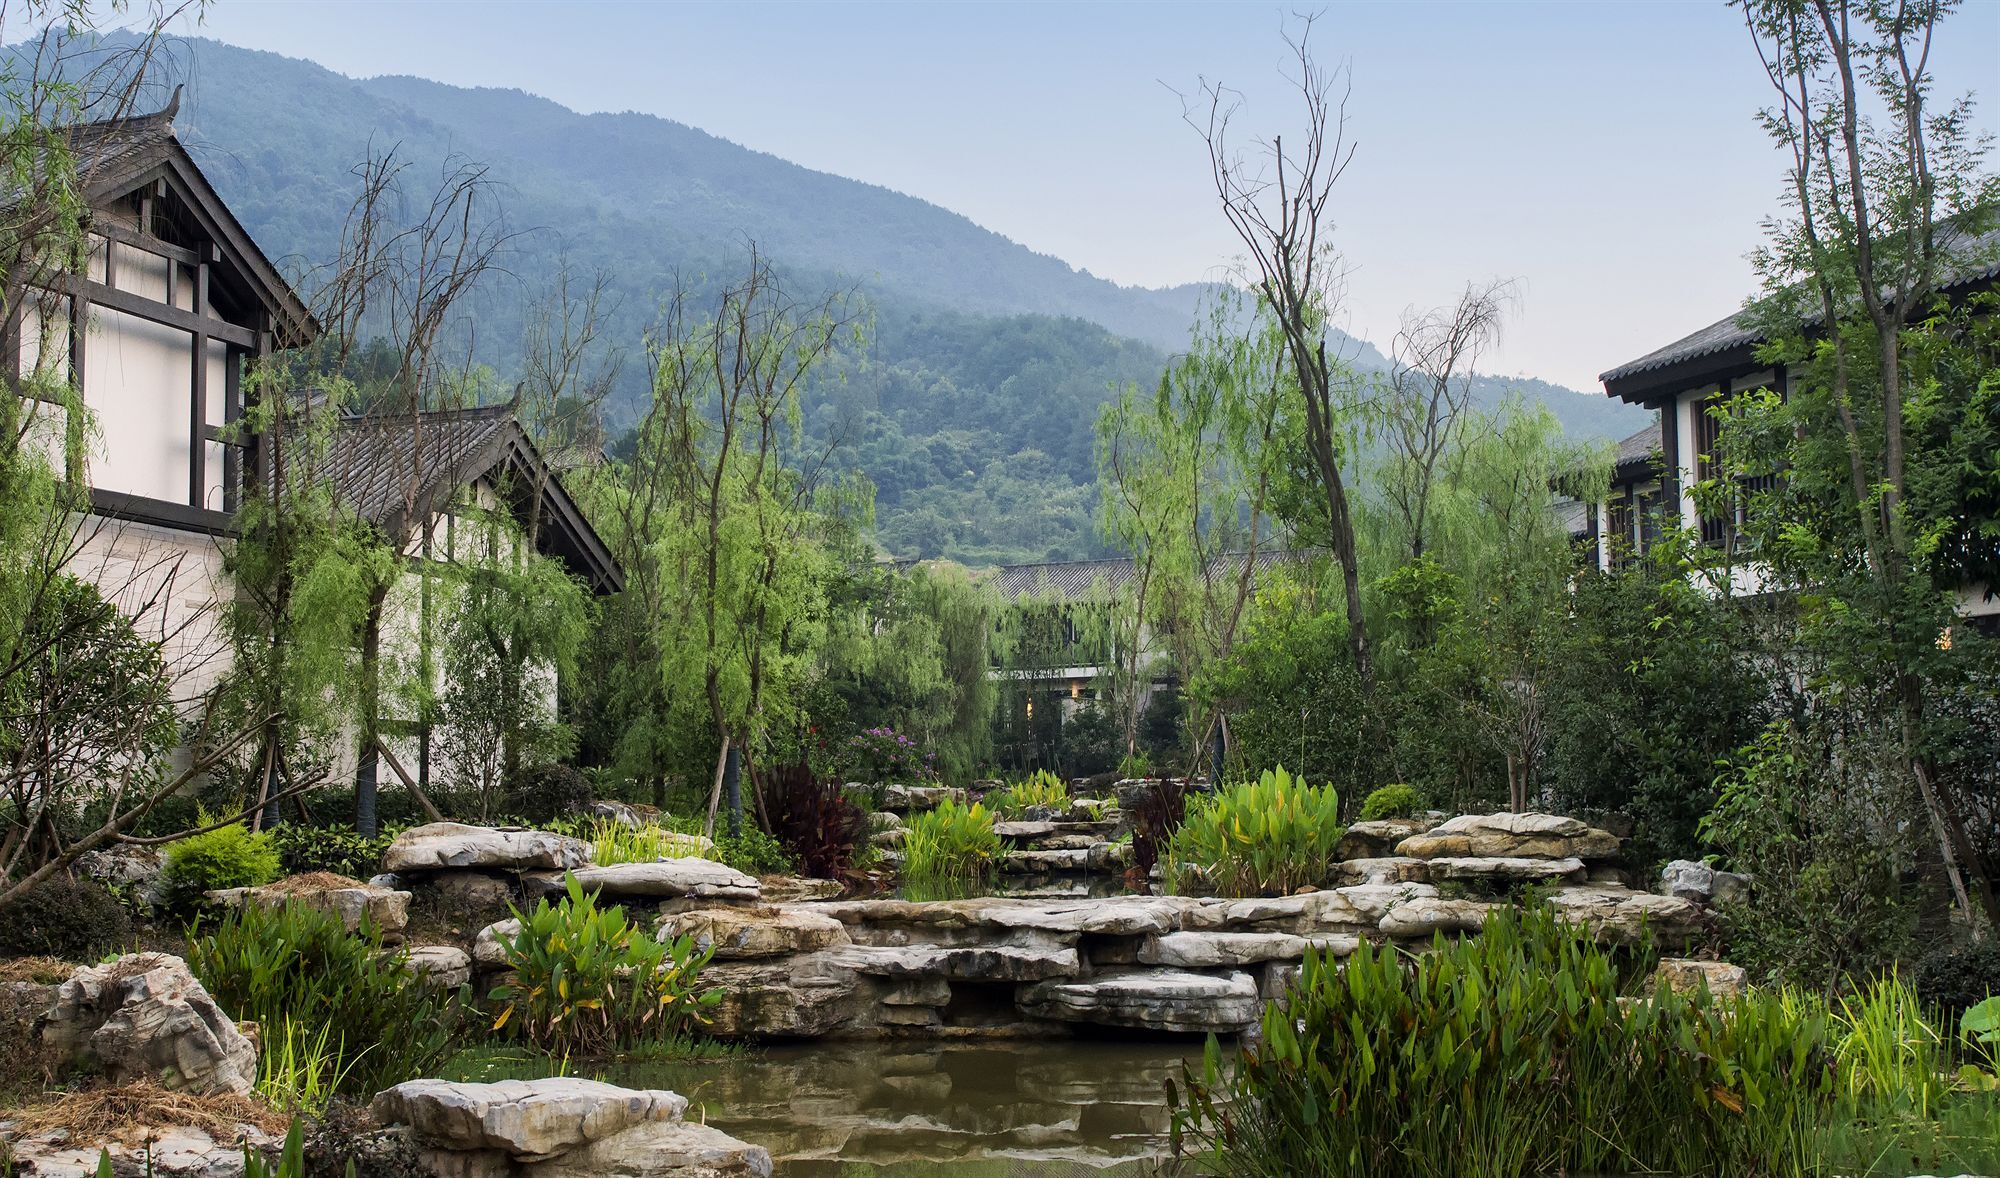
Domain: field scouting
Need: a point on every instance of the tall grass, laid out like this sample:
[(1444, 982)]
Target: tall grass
[(299, 1070), (614, 842), (1042, 788)]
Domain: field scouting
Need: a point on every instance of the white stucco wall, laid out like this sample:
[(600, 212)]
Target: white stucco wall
[(172, 584)]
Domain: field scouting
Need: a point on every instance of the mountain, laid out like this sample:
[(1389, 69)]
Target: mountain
[(973, 410)]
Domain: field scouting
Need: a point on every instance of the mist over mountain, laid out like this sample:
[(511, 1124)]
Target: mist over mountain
[(973, 410)]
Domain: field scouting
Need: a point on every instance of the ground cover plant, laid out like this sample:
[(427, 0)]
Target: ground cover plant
[(586, 980), (1264, 837)]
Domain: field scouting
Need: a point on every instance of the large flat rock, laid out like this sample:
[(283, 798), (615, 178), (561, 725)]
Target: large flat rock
[(660, 879), (1370, 840), (1622, 916), (1509, 835), (1420, 917), (350, 902), (1505, 868), (444, 846), (529, 1120), (1151, 999), (976, 963), (663, 1149), (1214, 950), (1113, 915)]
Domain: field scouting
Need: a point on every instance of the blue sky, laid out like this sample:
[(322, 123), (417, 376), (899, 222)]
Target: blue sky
[(1605, 155)]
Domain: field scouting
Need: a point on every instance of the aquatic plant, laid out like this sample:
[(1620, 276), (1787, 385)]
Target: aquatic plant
[(1041, 788), (1270, 836), (949, 848)]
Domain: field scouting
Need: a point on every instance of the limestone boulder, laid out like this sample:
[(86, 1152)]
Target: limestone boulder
[(661, 879), (1504, 869), (915, 799), (1512, 836), (442, 846), (663, 1149), (1386, 869), (487, 950), (1200, 950), (529, 1120), (1622, 916), (184, 1152), (803, 997), (1686, 879), (469, 891), (125, 865), (796, 889), (351, 902), (1686, 976), (1150, 999), (1372, 840), (975, 963), (748, 932), (446, 967), (1361, 907), (146, 1016), (1420, 917)]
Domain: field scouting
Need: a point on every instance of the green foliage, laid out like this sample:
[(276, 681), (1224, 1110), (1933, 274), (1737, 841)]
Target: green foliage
[(882, 755), (548, 791), (950, 848), (1267, 837), (586, 981), (753, 852), (1391, 801), (1042, 789), (1954, 978), (290, 1163), (229, 856), (612, 842), (363, 1022), (302, 848), (68, 919), (1829, 900), (299, 1068), (1510, 1054), (1981, 1023)]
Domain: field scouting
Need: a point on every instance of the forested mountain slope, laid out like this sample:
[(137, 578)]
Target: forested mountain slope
[(973, 410)]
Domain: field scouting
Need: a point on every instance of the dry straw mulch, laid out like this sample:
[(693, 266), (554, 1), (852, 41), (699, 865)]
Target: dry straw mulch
[(130, 1113)]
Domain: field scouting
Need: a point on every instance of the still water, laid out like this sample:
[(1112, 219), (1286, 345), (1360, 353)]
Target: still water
[(1054, 1109)]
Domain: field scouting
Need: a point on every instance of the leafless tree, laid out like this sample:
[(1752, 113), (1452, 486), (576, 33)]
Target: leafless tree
[(1278, 201)]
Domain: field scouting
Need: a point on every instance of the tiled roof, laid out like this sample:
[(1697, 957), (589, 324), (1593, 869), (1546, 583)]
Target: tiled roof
[(1981, 263), (1639, 449), (1072, 580)]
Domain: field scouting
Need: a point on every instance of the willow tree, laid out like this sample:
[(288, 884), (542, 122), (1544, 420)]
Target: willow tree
[(738, 505)]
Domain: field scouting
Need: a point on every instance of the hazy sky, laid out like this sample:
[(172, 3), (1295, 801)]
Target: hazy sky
[(1605, 155)]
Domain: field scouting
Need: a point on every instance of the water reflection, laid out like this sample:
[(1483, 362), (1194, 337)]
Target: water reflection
[(971, 1110)]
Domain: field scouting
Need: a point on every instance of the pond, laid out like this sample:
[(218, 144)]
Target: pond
[(992, 1109)]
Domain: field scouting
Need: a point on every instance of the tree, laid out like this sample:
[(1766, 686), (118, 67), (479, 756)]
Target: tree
[(1885, 189), (1279, 207)]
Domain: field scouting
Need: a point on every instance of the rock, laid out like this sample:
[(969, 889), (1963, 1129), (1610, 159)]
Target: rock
[(1371, 840), (442, 845), (1151, 999), (1212, 950), (665, 1149), (1389, 869), (1423, 916), (1685, 976), (1506, 869), (1361, 907), (1619, 915), (974, 963), (1686, 879), (801, 997), (1025, 831), (915, 799), (880, 820), (487, 951), (618, 812), (125, 865), (1512, 836), (1043, 862), (738, 933), (893, 837), (184, 1152), (352, 903), (470, 891), (793, 889), (919, 991), (446, 967), (1258, 914), (662, 878), (145, 1016), (529, 1120)]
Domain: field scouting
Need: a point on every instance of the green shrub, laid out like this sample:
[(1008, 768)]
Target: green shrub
[(1391, 801), (548, 791), (69, 919), (295, 965), (1509, 1054), (753, 852), (1043, 789), (303, 849), (949, 848), (586, 980), (1954, 979), (226, 857), (1271, 836)]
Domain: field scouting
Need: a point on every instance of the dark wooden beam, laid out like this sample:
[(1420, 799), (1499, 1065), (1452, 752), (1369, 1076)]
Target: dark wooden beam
[(198, 400), (158, 312), (147, 242)]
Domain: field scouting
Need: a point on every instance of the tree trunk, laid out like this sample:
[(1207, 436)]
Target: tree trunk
[(366, 767)]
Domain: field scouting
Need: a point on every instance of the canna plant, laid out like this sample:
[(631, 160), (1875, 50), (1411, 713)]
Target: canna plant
[(949, 850), (1266, 837), (587, 981)]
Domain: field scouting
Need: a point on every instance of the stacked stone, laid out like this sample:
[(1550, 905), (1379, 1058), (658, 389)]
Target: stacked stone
[(1076, 841), (492, 863), (1509, 848)]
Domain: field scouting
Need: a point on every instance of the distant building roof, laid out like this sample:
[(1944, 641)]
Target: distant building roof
[(390, 468), (1736, 336), (1634, 456), (1073, 580)]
